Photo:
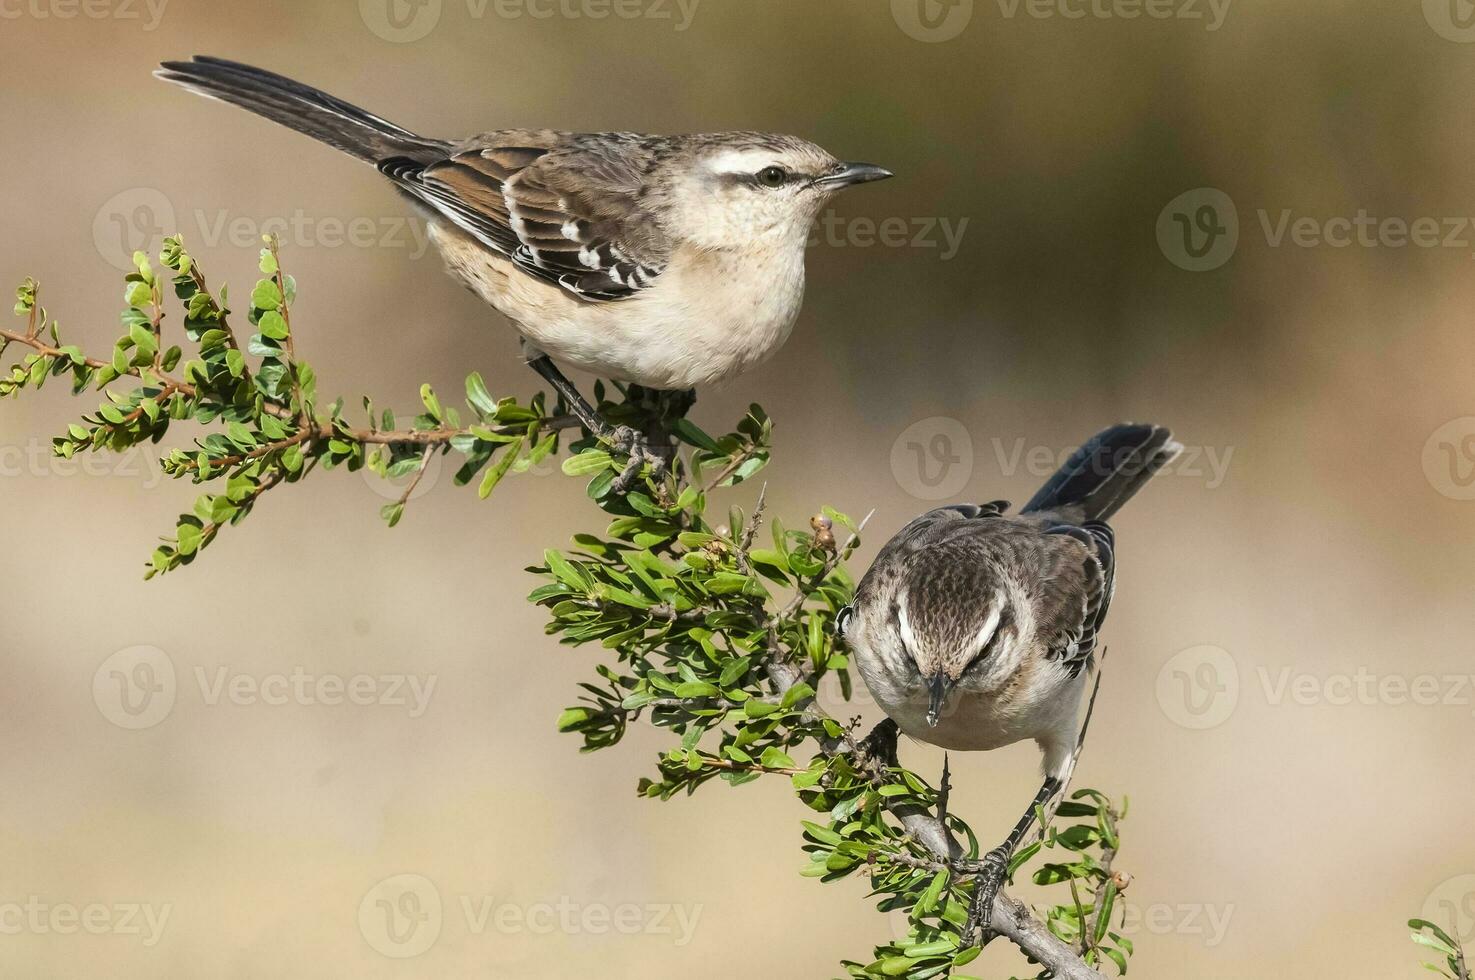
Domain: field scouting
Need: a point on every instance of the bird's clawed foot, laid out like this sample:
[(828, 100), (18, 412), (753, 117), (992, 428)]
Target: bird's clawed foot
[(879, 746), (627, 441), (992, 872)]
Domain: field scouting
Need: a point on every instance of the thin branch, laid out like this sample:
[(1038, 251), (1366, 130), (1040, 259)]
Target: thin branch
[(317, 431), (815, 581), (33, 321), (751, 531), (748, 452), (714, 763), (1089, 929), (221, 324), (419, 475)]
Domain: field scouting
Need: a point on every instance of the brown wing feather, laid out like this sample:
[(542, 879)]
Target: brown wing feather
[(563, 208)]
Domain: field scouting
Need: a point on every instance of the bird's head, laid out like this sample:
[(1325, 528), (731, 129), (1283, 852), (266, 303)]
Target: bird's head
[(954, 636), (944, 625), (737, 190)]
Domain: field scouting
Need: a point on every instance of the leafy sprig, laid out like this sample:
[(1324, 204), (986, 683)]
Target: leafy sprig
[(264, 424), (710, 635), (1431, 936), (725, 643)]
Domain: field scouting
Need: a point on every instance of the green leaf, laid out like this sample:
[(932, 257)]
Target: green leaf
[(589, 461), (477, 395), (139, 295), (823, 835), (499, 469), (1434, 942), (755, 708), (563, 570), (929, 898), (266, 295), (734, 669), (572, 718), (1444, 937), (141, 334), (687, 431), (189, 539), (432, 403), (1103, 916), (775, 758), (273, 326)]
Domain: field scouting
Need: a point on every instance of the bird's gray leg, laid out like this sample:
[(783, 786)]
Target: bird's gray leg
[(582, 410), (995, 867), (621, 438)]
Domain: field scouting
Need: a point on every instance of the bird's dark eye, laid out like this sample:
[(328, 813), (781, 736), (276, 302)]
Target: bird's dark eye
[(773, 176)]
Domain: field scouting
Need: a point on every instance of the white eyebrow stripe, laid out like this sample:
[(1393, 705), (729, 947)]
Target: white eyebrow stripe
[(741, 161), (908, 639), (990, 626)]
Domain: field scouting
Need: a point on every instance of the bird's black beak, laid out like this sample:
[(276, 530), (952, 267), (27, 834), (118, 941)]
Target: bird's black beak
[(937, 687), (851, 173)]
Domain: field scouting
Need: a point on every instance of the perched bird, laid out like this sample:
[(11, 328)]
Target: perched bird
[(975, 628), (668, 261)]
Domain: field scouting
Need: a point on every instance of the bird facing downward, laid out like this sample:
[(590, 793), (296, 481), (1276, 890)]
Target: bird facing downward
[(670, 261), (975, 629)]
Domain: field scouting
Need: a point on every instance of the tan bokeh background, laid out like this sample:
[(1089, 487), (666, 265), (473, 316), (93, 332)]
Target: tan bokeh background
[(1308, 830)]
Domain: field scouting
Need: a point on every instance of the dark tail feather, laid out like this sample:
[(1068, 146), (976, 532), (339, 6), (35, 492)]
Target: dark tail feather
[(301, 107), (1103, 474)]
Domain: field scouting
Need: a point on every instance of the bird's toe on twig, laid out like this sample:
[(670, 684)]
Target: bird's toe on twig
[(880, 745), (637, 446), (992, 871)]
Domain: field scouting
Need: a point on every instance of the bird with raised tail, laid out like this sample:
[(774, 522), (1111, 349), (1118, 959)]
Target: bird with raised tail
[(976, 628), (668, 261)]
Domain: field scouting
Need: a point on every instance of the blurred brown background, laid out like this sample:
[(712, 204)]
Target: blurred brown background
[(1281, 701)]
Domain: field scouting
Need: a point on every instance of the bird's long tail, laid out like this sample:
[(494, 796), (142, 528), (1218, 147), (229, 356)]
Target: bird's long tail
[(1103, 474), (301, 107)]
